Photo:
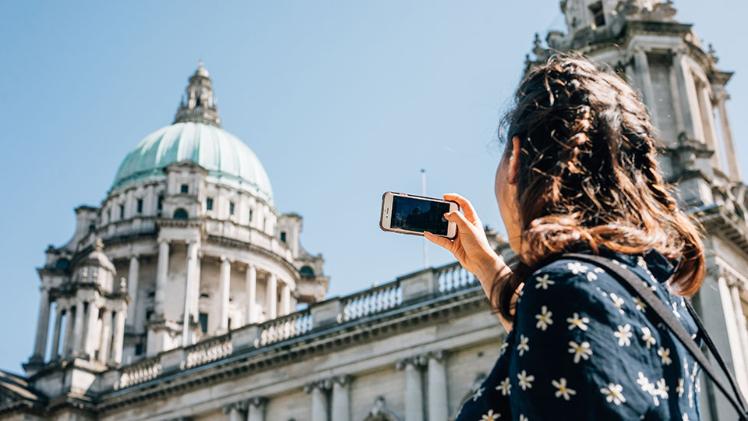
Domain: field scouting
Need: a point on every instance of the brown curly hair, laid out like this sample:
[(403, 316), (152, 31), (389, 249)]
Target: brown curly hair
[(589, 176)]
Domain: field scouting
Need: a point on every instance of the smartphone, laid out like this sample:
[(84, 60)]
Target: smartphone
[(411, 214)]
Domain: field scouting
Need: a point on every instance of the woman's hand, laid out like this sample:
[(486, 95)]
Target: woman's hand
[(470, 246)]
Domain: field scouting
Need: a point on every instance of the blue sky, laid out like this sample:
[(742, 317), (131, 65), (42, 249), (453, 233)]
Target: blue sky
[(340, 100)]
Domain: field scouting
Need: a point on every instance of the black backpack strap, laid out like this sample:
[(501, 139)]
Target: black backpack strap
[(666, 316)]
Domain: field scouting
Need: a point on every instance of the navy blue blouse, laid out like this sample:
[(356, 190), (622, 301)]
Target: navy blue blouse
[(583, 348)]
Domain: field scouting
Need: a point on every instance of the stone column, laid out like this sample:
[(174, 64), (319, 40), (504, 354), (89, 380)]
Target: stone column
[(437, 386), (67, 346), (235, 410), (413, 388), (106, 335), (341, 402), (59, 314), (737, 302), (92, 336), (162, 274), (285, 299), (42, 327), (189, 287), (729, 146), (642, 65), (271, 299), (689, 100), (78, 328), (132, 289), (319, 400), (733, 334), (224, 290), (256, 409), (251, 287), (119, 335)]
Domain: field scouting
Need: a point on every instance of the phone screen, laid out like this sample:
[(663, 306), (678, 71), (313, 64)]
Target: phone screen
[(419, 215)]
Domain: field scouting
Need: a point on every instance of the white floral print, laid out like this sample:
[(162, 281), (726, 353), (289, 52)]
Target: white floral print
[(505, 387), (524, 345), (580, 351), (576, 268), (647, 337), (562, 389), (577, 322), (544, 318), (525, 380), (624, 334), (617, 301), (490, 416), (639, 304), (478, 393), (613, 393), (664, 354), (656, 390), (543, 281)]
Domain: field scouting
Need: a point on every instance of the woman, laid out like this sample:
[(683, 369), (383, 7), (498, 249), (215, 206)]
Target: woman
[(579, 174)]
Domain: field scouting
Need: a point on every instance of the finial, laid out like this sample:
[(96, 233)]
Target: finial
[(713, 53)]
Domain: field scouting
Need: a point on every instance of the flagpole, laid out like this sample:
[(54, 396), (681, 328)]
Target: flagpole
[(424, 241)]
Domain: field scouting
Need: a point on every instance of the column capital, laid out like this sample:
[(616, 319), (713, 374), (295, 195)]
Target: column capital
[(342, 380), (415, 360), (323, 384), (235, 406), (257, 401), (438, 355), (162, 241), (134, 256)]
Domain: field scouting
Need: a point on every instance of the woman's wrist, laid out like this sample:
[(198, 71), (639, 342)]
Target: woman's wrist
[(491, 269)]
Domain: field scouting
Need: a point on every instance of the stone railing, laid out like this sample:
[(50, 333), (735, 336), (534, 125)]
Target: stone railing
[(422, 285), (139, 372), (371, 301), (284, 327), (453, 277), (207, 351)]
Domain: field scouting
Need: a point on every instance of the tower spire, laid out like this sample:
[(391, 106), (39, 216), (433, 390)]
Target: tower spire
[(198, 104)]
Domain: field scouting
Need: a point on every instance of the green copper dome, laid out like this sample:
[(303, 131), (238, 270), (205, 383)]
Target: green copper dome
[(222, 154), (196, 136)]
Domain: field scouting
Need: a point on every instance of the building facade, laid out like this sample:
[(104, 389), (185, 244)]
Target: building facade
[(187, 295)]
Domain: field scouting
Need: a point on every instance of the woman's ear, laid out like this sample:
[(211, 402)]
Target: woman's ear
[(513, 168)]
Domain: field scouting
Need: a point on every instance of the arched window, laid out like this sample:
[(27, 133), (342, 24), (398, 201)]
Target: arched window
[(306, 272), (180, 213)]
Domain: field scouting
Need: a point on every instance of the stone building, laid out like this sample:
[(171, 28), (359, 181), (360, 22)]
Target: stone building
[(187, 295)]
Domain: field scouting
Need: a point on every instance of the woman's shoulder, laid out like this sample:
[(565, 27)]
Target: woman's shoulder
[(570, 282)]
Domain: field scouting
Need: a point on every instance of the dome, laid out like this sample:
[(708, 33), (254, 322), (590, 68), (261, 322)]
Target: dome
[(222, 154)]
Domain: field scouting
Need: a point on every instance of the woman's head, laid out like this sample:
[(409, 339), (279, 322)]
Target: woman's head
[(580, 168)]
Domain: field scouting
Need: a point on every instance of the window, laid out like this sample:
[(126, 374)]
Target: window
[(140, 206), (283, 236), (250, 215), (598, 14), (184, 188), (209, 204), (181, 214), (232, 208), (306, 272), (203, 319), (121, 211), (160, 202), (138, 349)]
